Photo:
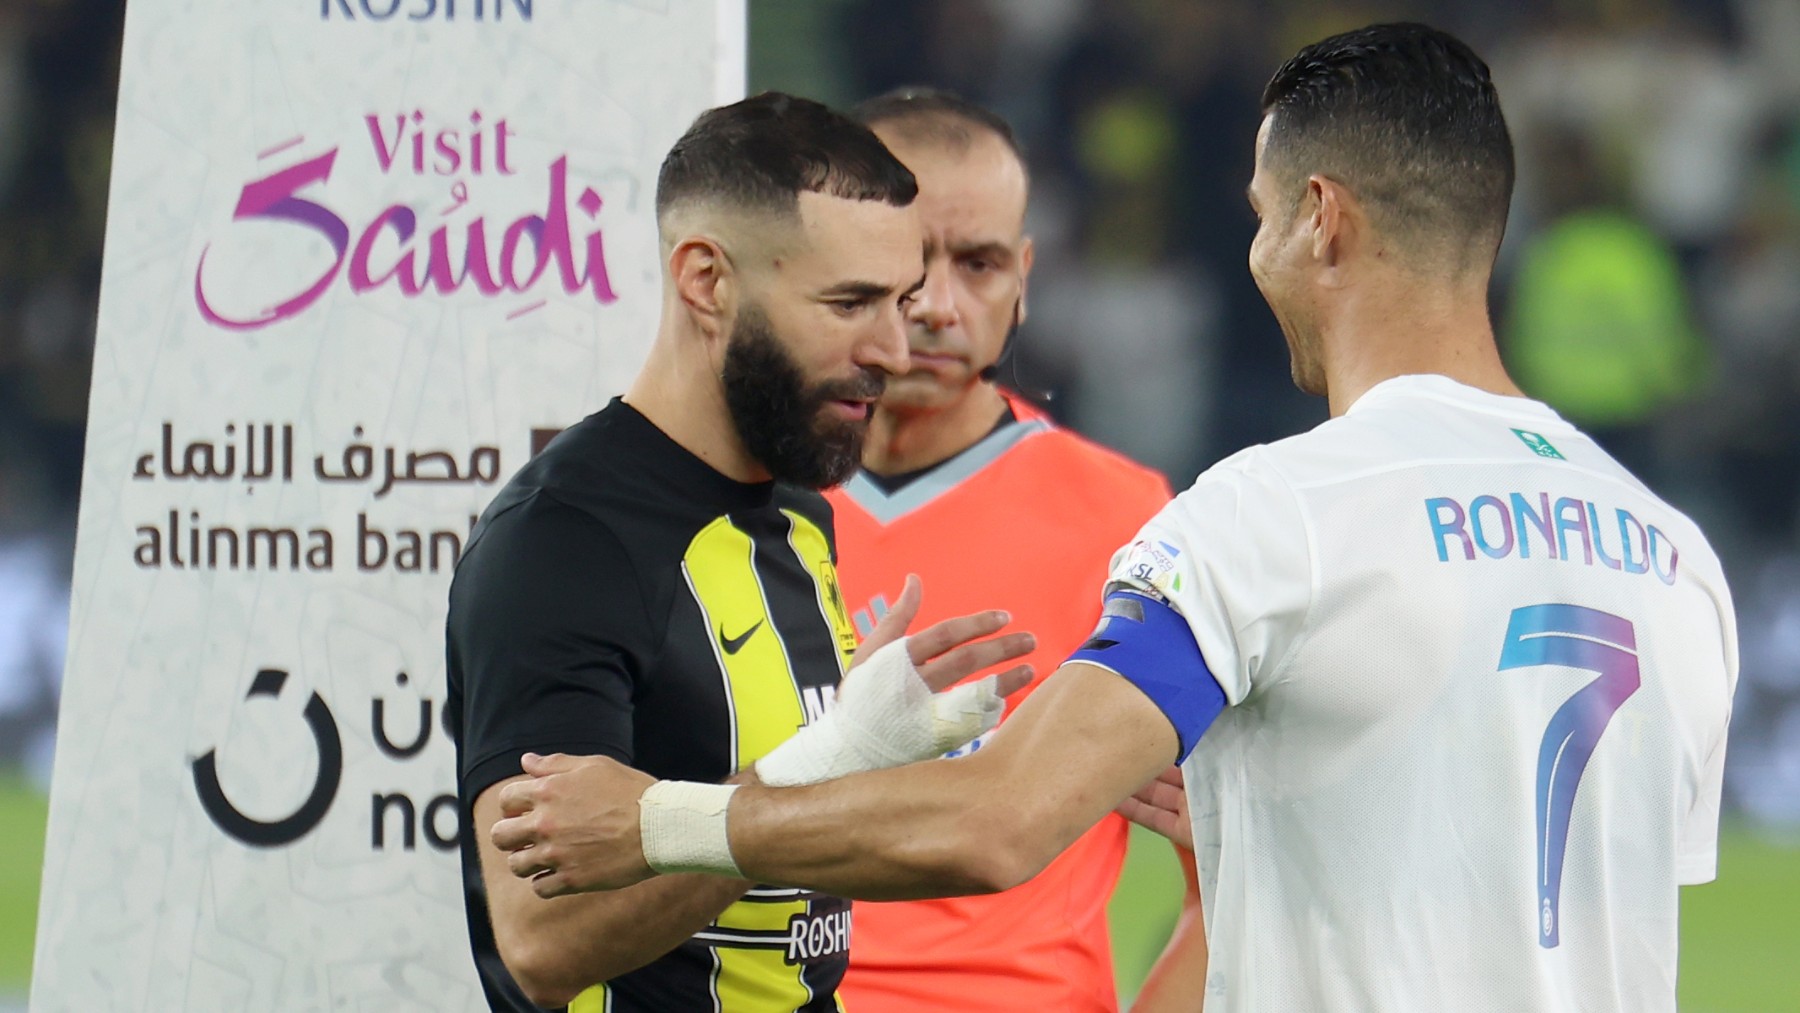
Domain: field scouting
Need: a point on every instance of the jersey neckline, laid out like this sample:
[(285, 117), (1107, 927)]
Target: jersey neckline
[(887, 508), (683, 465), (1437, 387)]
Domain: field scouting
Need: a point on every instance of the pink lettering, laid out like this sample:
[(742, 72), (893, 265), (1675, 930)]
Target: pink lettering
[(386, 252), (442, 152), (273, 197), (404, 223), (385, 152), (556, 237)]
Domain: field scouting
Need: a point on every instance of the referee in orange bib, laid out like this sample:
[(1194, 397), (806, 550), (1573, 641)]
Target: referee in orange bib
[(992, 504)]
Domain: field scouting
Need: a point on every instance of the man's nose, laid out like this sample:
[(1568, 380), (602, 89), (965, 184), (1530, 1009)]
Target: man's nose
[(886, 348), (934, 308)]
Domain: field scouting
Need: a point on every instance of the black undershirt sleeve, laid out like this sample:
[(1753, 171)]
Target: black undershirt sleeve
[(549, 633)]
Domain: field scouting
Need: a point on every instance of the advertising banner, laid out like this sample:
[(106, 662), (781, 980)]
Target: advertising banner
[(360, 256)]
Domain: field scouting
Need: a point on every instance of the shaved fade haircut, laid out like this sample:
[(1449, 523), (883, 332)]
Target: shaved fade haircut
[(762, 153), (1407, 118), (937, 116)]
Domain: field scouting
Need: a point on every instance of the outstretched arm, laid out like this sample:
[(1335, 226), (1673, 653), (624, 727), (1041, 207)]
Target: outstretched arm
[(1095, 732), (981, 823), (977, 824)]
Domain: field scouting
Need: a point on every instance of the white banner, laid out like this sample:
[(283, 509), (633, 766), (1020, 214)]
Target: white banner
[(357, 251)]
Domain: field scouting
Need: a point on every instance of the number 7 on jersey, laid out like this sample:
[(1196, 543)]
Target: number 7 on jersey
[(1573, 637)]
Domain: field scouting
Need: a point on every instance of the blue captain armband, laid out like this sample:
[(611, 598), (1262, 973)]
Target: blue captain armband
[(1147, 643)]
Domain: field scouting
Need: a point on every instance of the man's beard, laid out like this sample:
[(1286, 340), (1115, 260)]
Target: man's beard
[(781, 420)]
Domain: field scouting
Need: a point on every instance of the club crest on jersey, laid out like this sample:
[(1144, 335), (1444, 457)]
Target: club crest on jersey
[(1150, 565), (840, 617), (1539, 445)]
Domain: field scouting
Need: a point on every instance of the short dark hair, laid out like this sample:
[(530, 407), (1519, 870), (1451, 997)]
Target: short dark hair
[(763, 152), (1407, 117), (939, 114)]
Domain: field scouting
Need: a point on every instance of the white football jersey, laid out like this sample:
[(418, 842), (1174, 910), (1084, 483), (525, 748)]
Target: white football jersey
[(1479, 681)]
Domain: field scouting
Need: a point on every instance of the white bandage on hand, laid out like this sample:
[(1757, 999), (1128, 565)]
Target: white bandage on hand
[(683, 827), (885, 716)]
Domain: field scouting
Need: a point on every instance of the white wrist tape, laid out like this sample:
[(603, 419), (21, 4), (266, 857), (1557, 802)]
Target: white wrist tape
[(683, 827), (885, 716), (816, 753)]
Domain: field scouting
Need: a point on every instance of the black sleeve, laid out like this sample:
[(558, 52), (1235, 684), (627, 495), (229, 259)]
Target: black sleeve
[(547, 636)]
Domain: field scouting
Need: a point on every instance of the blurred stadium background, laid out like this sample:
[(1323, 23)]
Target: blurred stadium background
[(1649, 288)]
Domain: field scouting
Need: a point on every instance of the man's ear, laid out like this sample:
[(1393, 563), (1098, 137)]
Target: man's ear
[(1335, 219), (1027, 254), (705, 281)]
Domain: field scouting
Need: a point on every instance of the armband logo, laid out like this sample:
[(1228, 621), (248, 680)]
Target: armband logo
[(1150, 566)]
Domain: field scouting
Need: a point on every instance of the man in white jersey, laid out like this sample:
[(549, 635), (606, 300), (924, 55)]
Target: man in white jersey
[(1463, 681)]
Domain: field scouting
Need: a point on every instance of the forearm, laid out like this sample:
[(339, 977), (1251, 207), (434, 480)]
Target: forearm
[(977, 824), (900, 834), (1177, 982), (986, 822), (559, 947)]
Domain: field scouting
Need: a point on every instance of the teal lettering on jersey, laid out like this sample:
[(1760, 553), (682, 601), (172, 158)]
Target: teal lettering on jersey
[(1565, 529)]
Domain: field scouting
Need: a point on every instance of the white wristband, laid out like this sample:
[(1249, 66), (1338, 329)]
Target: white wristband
[(683, 827)]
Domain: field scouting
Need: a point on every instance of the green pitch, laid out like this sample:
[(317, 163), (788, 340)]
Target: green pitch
[(22, 814), (1740, 936)]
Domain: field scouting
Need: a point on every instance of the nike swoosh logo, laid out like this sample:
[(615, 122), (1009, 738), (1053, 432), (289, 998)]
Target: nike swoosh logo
[(734, 644)]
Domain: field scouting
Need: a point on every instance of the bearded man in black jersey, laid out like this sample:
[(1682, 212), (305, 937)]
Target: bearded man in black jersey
[(659, 585)]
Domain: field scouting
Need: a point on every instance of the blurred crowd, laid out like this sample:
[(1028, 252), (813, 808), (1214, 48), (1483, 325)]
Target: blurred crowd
[(59, 63), (1649, 286)]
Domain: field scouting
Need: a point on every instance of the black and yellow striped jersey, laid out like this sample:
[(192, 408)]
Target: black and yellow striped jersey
[(622, 598)]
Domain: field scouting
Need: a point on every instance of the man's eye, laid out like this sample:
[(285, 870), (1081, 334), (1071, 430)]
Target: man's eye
[(976, 265), (849, 307)]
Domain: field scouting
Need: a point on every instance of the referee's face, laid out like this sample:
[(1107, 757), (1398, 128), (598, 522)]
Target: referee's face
[(977, 259)]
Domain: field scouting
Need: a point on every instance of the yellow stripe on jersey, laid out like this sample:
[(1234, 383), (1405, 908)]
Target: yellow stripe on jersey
[(815, 553), (592, 1000), (758, 979), (765, 700), (761, 916), (766, 709)]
